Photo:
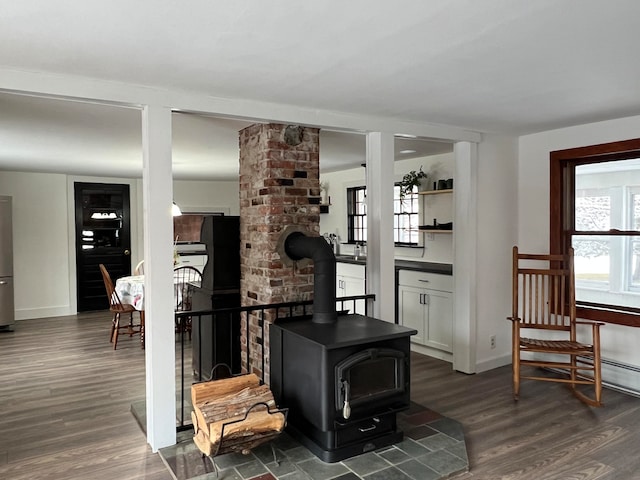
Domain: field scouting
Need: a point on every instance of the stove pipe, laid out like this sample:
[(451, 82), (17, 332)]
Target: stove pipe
[(298, 246)]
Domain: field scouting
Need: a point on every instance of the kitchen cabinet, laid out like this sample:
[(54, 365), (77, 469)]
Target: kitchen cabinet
[(350, 281), (425, 303)]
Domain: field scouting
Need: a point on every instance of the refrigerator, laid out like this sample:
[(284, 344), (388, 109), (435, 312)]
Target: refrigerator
[(218, 341), (7, 314)]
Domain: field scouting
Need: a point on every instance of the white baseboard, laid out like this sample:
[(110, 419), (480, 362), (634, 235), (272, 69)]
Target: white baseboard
[(492, 363), (44, 312), (432, 352)]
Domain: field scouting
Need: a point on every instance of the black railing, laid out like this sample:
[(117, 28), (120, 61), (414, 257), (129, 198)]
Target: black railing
[(220, 330)]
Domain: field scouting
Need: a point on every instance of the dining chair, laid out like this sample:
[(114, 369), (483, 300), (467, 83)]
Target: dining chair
[(543, 296), (118, 308), (182, 279), (139, 270)]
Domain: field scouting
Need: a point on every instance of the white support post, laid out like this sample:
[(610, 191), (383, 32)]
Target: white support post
[(158, 266), (465, 256), (380, 245)]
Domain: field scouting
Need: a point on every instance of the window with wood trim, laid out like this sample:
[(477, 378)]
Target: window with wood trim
[(595, 207)]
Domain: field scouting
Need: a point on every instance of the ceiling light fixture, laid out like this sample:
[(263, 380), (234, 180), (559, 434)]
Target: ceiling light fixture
[(175, 210), (405, 152)]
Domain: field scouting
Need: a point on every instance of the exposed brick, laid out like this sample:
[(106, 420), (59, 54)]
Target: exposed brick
[(278, 187)]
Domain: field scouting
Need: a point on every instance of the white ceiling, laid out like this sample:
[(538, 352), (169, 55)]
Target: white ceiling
[(503, 66)]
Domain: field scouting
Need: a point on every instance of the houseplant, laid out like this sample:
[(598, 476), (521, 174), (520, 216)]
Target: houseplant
[(412, 179)]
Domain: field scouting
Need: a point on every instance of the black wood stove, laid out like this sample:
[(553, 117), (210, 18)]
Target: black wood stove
[(343, 377)]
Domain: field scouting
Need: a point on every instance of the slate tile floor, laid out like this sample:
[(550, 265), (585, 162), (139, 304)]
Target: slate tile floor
[(433, 448)]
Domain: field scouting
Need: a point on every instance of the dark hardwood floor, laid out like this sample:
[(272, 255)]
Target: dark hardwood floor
[(547, 435), (66, 395), (65, 398)]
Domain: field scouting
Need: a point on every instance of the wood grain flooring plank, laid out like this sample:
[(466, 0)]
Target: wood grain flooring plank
[(547, 434), (66, 398)]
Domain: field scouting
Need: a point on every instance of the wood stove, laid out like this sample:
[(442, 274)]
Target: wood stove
[(343, 377), (343, 382)]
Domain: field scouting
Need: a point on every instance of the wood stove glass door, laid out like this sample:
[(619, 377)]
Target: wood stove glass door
[(369, 375)]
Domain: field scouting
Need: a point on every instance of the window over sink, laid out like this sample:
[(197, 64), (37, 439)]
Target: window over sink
[(406, 216)]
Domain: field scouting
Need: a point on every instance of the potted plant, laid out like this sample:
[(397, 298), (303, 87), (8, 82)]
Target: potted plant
[(412, 179)]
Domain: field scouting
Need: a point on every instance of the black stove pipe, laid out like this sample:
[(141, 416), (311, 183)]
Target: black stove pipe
[(298, 246)]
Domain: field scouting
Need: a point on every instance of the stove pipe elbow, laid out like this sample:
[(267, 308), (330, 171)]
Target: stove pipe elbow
[(298, 246)]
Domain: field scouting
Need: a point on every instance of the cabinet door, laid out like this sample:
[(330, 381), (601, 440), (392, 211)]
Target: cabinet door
[(412, 311), (439, 320), (354, 286)]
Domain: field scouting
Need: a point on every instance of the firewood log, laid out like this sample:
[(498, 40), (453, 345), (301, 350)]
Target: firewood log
[(201, 392), (231, 406), (222, 403)]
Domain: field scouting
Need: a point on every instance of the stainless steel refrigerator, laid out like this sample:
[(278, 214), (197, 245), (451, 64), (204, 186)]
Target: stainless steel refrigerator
[(7, 314)]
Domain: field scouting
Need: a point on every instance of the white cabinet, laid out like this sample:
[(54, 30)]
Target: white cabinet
[(425, 303), (350, 281), (196, 261)]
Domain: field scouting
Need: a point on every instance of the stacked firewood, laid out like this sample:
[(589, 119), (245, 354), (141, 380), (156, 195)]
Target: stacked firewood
[(224, 407)]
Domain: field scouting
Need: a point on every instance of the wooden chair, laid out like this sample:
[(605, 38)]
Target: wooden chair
[(182, 277), (139, 270), (544, 302), (118, 308)]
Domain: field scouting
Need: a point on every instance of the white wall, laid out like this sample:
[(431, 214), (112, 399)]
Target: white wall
[(619, 343), (497, 233), (40, 240), (438, 250), (43, 226), (203, 196)]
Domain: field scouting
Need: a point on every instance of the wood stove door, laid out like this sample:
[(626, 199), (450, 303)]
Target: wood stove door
[(368, 376)]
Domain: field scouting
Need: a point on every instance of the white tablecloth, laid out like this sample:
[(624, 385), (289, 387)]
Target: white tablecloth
[(131, 290)]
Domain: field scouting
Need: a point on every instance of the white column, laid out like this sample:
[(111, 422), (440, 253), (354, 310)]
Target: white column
[(465, 256), (158, 266), (380, 246)]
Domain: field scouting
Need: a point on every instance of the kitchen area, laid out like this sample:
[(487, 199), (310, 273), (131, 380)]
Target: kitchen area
[(423, 267)]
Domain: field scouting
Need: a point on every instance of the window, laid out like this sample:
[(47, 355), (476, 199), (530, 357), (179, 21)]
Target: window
[(405, 216), (595, 208), (357, 214)]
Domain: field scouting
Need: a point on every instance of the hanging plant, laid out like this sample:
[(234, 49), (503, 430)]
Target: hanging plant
[(411, 179)]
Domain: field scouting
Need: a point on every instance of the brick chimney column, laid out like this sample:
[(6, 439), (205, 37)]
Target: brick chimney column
[(279, 189)]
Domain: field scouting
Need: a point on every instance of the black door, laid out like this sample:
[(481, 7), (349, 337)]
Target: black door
[(102, 236)]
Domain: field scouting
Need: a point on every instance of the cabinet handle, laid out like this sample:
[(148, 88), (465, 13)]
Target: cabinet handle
[(425, 281), (367, 429), (426, 299), (421, 296)]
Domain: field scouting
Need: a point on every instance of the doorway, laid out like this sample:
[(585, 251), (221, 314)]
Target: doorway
[(102, 218)]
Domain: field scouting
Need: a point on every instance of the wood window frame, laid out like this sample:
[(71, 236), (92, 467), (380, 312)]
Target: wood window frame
[(562, 194)]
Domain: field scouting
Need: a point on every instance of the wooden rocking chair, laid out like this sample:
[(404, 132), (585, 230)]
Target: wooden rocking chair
[(544, 301)]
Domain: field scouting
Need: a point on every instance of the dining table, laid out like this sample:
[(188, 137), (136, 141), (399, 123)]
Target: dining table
[(130, 289)]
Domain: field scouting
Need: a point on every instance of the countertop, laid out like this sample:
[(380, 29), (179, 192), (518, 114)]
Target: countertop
[(431, 267)]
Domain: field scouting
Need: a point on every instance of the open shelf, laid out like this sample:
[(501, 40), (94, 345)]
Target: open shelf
[(435, 192)]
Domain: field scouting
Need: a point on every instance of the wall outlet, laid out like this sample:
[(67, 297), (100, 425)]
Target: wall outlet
[(492, 341), (431, 237)]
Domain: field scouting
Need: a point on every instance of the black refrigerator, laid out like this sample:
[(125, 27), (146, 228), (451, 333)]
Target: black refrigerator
[(216, 338)]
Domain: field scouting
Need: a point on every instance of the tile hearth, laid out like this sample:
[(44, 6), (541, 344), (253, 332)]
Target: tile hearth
[(433, 448)]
